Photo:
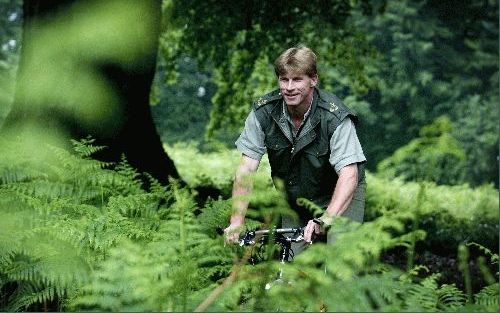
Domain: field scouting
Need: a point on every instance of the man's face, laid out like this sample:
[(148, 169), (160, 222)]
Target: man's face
[(297, 88)]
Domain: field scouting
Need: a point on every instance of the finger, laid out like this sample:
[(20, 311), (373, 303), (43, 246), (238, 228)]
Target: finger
[(230, 239), (311, 232), (228, 235), (317, 229), (234, 237), (308, 232)]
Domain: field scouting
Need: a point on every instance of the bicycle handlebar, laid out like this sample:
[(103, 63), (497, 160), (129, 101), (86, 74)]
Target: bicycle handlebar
[(249, 236)]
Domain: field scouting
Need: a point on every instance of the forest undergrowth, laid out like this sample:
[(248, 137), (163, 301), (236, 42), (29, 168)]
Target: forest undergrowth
[(79, 234)]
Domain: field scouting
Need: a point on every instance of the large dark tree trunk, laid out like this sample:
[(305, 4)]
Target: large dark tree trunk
[(129, 130)]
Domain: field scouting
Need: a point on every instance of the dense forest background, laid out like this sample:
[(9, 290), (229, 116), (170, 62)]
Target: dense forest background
[(81, 231), (418, 64), (422, 75)]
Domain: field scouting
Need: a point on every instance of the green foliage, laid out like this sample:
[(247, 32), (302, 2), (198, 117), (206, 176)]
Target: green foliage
[(215, 169), (160, 272), (10, 23), (181, 111), (477, 131), (449, 214), (399, 69), (251, 34), (432, 63), (487, 298), (63, 215), (434, 156), (75, 235), (61, 82), (429, 296)]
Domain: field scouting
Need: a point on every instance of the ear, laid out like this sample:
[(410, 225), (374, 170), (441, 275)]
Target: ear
[(314, 80)]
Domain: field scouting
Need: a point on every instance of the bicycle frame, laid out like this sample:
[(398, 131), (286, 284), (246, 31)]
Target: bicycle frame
[(286, 254)]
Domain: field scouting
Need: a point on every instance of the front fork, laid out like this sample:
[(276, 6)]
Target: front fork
[(285, 254)]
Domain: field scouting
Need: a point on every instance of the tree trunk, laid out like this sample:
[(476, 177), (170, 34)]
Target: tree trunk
[(129, 129)]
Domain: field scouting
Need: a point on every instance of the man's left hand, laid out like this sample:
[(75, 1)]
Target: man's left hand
[(311, 228)]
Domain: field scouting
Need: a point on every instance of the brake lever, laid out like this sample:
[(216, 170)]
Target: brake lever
[(248, 239)]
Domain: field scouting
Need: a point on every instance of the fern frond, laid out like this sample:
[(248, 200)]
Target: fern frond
[(214, 216), (85, 148), (488, 297), (493, 256), (50, 190), (17, 173), (311, 206), (450, 298), (125, 169), (36, 296), (422, 296)]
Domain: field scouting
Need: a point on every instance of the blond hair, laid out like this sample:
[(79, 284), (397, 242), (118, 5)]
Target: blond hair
[(299, 59)]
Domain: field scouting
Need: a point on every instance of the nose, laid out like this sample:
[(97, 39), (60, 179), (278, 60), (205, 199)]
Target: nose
[(289, 85)]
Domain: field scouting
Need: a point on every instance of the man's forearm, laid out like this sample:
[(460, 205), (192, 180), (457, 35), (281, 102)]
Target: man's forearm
[(344, 191), (341, 198), (240, 203), (242, 188)]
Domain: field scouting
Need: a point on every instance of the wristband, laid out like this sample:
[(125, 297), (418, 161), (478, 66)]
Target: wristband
[(324, 220), (318, 221)]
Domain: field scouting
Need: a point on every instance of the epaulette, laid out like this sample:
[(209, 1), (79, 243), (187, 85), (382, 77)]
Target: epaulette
[(334, 105), (270, 97)]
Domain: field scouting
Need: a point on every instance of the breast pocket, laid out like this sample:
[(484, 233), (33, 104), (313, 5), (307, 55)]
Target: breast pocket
[(278, 150), (317, 155)]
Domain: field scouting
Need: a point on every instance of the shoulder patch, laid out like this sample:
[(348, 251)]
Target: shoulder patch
[(333, 104), (333, 107), (268, 98), (261, 101)]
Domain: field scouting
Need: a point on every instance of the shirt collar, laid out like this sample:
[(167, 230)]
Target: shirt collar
[(287, 115)]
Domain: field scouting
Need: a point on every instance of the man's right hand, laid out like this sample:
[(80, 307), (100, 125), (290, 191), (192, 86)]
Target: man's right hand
[(232, 233)]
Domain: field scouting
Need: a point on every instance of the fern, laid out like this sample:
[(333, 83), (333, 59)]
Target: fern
[(214, 216), (341, 276), (126, 170), (65, 220), (162, 270), (488, 252), (85, 148), (78, 234), (488, 298), (450, 298)]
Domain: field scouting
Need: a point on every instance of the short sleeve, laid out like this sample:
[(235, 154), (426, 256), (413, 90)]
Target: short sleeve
[(345, 146), (251, 140)]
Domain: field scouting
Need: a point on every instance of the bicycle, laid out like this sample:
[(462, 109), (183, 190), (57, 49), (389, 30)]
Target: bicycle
[(261, 237)]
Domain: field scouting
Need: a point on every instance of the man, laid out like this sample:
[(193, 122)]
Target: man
[(312, 145)]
